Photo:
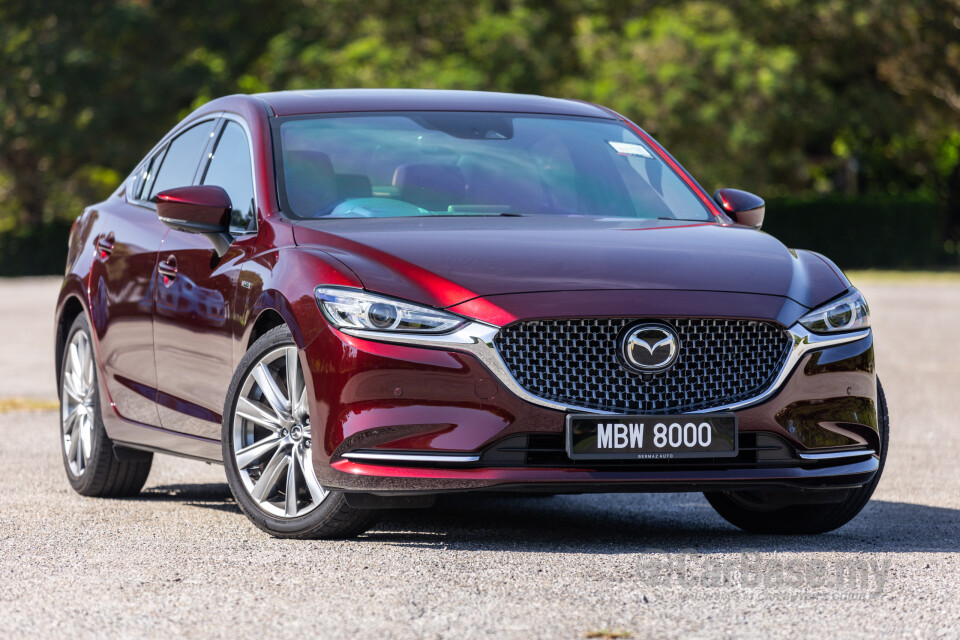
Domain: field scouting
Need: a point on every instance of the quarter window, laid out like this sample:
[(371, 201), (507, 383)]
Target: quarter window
[(230, 168), (145, 179)]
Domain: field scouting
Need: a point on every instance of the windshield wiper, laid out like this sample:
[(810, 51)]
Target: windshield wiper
[(478, 214)]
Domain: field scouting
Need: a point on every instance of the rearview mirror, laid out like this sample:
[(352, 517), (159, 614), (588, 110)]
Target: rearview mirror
[(203, 209), (744, 207)]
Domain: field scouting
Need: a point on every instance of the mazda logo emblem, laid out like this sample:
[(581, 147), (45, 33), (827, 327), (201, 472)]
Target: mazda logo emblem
[(650, 347)]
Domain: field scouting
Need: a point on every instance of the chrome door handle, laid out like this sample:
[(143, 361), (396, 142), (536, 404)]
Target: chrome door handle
[(168, 270), (105, 245)]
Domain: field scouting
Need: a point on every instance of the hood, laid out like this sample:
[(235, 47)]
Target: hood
[(444, 261)]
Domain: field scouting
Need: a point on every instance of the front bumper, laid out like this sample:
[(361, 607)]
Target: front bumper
[(430, 417)]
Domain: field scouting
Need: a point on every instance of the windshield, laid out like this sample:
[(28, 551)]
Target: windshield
[(461, 164)]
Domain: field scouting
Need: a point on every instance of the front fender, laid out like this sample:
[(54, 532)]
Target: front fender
[(284, 281), (816, 279)]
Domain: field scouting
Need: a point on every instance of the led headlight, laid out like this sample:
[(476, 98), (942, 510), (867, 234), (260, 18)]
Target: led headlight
[(847, 313), (356, 309)]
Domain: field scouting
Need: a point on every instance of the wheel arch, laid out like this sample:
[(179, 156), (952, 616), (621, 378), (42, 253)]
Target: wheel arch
[(284, 294), (271, 310), (267, 320), (70, 308)]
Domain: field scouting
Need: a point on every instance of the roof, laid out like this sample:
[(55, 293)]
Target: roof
[(288, 103)]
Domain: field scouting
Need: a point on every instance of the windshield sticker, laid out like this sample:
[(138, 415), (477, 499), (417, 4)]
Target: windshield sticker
[(630, 149)]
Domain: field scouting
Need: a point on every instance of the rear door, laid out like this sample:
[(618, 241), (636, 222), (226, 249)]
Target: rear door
[(123, 282), (195, 322)]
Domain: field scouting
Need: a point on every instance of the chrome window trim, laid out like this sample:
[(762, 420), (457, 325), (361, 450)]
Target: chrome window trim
[(161, 147), (477, 338), (205, 161)]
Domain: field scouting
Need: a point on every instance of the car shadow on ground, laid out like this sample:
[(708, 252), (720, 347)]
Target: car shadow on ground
[(611, 524), (616, 523), (213, 495)]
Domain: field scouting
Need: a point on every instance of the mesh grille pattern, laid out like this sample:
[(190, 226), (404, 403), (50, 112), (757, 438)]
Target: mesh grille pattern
[(574, 362)]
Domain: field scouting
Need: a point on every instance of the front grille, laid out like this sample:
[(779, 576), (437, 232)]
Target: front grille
[(574, 362)]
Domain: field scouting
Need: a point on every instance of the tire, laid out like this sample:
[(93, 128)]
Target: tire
[(266, 441), (750, 513), (88, 454)]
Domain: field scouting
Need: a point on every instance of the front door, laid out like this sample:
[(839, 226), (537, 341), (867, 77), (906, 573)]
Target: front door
[(195, 322)]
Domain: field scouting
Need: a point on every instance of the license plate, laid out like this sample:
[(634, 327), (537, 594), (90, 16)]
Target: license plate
[(637, 437)]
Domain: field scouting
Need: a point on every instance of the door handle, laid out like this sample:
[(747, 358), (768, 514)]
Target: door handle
[(105, 245), (168, 270)]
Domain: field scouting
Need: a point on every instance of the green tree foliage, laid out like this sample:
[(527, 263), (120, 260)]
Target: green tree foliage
[(693, 77), (87, 87), (782, 97)]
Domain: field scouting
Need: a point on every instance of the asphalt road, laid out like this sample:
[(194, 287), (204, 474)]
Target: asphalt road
[(182, 561)]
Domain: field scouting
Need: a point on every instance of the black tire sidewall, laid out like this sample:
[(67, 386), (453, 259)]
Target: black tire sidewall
[(807, 519)]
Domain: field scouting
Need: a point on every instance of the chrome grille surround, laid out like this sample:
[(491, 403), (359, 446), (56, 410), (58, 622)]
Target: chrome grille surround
[(477, 338), (575, 362)]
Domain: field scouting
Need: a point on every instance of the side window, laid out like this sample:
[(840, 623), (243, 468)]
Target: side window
[(134, 181), (147, 173), (179, 164), (230, 168)]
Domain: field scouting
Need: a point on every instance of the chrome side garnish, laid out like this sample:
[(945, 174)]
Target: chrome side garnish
[(409, 457), (834, 455), (477, 338)]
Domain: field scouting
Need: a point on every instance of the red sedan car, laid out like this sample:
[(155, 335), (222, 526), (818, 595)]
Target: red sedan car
[(359, 299)]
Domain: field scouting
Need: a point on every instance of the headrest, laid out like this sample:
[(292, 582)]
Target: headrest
[(353, 185), (311, 185)]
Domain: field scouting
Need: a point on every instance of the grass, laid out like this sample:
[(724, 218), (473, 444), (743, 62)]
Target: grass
[(905, 277), (27, 404)]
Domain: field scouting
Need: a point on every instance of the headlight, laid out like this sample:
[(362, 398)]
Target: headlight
[(357, 309), (847, 313)]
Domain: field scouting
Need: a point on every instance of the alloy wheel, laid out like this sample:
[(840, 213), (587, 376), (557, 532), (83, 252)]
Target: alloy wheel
[(272, 437), (78, 403)]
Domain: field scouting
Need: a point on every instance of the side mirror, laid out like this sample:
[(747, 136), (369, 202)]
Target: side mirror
[(744, 207), (203, 209)]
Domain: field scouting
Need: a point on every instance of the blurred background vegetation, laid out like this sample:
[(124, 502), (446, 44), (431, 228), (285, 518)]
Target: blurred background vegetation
[(843, 114)]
